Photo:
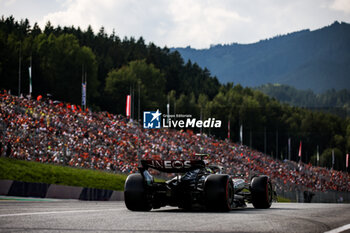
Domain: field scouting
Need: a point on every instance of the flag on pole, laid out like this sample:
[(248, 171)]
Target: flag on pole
[(30, 80), (347, 161), (83, 95), (241, 134), (128, 106), (300, 149), (168, 112), (289, 148), (228, 130)]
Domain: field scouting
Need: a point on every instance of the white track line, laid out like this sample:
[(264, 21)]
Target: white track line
[(56, 212), (339, 229)]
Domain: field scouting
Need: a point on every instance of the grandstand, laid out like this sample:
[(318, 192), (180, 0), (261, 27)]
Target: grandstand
[(60, 133)]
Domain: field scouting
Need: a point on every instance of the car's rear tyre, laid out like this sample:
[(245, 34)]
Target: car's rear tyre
[(135, 195), (262, 193), (218, 191)]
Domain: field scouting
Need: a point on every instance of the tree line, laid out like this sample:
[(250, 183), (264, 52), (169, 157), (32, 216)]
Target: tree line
[(333, 101), (115, 67)]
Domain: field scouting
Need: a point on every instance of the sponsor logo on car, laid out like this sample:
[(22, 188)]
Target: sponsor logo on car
[(169, 164)]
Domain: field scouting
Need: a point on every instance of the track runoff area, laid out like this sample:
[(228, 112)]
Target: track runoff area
[(53, 215)]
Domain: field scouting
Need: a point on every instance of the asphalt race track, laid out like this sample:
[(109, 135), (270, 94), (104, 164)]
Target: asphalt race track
[(45, 215)]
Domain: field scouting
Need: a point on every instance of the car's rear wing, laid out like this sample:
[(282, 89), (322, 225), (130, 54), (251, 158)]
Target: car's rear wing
[(172, 166)]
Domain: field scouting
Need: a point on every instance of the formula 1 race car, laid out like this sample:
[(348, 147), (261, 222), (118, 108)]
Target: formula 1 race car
[(200, 187)]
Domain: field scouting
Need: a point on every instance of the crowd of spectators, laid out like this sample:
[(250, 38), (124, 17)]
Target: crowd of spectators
[(48, 131)]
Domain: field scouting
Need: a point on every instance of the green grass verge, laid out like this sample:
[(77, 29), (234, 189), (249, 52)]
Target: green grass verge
[(11, 169), (283, 199)]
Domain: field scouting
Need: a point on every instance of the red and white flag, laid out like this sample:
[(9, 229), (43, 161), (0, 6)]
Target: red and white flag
[(347, 161), (128, 106), (228, 130), (300, 149)]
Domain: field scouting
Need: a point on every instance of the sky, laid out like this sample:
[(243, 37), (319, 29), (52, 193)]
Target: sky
[(182, 23)]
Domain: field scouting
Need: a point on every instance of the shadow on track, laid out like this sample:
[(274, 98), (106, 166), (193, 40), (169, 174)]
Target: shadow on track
[(238, 210)]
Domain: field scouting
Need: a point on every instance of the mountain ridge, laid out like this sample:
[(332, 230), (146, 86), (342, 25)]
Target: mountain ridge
[(304, 59)]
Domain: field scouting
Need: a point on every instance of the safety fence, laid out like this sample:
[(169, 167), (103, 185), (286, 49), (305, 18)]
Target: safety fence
[(316, 197), (42, 190)]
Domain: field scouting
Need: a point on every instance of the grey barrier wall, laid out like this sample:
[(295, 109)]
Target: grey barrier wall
[(26, 189), (89, 194), (5, 186), (317, 197), (41, 190), (63, 192)]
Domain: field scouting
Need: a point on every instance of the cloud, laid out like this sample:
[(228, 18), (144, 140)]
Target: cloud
[(165, 22), (128, 18), (198, 23), (9, 2), (341, 5), (201, 22)]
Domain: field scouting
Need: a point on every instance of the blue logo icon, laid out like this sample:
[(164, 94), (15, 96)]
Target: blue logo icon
[(151, 120)]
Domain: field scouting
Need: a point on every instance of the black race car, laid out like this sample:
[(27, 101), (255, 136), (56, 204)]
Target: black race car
[(200, 187)]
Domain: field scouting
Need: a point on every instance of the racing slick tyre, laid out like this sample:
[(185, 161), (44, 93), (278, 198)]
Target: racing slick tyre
[(135, 195), (262, 193), (218, 192)]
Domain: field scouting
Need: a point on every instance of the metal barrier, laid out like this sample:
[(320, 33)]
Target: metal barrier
[(318, 197)]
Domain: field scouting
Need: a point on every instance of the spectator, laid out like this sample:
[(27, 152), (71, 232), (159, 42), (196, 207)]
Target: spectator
[(8, 149), (54, 132)]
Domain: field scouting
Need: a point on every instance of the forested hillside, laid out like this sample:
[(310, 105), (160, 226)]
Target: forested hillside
[(115, 67), (60, 56), (318, 60), (333, 101)]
